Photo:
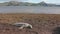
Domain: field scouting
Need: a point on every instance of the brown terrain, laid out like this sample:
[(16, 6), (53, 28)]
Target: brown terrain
[(42, 23)]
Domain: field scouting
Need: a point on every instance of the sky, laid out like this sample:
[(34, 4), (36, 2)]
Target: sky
[(35, 1)]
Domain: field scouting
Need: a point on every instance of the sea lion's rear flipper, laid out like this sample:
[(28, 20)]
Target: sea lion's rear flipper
[(21, 27)]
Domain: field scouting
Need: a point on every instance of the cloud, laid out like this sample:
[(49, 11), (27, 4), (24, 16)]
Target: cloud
[(45, 0)]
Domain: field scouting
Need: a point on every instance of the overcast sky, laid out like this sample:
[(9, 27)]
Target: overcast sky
[(35, 1)]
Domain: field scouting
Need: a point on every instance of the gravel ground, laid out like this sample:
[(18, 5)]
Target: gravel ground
[(42, 23)]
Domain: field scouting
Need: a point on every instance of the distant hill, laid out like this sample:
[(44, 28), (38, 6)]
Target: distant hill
[(15, 3)]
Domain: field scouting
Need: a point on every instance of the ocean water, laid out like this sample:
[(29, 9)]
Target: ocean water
[(30, 9)]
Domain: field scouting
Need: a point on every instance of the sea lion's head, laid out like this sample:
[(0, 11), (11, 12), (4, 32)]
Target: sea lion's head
[(29, 26)]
